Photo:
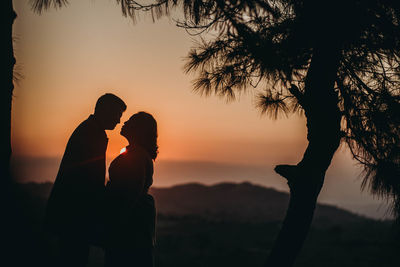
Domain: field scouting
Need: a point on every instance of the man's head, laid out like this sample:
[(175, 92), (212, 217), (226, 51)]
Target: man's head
[(108, 110)]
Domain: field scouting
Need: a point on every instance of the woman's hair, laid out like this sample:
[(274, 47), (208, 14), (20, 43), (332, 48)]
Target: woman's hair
[(143, 127)]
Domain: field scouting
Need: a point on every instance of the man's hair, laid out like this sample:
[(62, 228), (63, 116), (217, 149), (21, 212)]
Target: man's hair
[(109, 101)]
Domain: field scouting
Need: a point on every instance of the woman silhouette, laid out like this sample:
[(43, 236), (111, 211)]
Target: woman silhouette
[(130, 222)]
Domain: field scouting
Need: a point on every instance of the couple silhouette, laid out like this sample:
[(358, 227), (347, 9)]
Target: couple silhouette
[(119, 216)]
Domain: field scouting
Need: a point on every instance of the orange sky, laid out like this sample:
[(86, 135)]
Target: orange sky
[(69, 57)]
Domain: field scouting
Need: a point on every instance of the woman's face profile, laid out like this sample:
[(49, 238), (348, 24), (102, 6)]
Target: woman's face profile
[(125, 129)]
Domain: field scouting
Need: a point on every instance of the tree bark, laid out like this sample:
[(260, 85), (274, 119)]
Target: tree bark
[(305, 180), (6, 79), (7, 18)]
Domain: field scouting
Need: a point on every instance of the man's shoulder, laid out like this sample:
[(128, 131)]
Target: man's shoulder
[(89, 129)]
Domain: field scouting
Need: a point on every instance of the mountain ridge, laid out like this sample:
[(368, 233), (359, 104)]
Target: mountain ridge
[(241, 202)]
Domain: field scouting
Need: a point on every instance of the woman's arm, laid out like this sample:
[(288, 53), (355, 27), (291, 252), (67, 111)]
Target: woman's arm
[(134, 178)]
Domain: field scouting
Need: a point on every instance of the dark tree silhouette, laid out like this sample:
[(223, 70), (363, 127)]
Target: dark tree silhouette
[(6, 78), (8, 62), (337, 61)]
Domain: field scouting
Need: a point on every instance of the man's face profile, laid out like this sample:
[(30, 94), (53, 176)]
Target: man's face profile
[(111, 119)]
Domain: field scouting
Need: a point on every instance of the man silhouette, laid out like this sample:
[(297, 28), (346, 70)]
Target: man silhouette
[(75, 203)]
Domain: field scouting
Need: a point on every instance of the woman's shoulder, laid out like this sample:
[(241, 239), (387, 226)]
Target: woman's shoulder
[(140, 154), (123, 160), (119, 158), (132, 156)]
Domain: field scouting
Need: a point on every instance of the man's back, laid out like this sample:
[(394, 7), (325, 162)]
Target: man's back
[(76, 197)]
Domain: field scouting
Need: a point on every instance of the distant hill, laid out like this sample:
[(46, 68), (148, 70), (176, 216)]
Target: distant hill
[(243, 202), (238, 202)]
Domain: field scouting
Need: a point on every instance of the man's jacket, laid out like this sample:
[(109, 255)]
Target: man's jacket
[(76, 200)]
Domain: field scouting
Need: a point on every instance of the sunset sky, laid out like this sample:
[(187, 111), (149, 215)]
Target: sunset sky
[(71, 56)]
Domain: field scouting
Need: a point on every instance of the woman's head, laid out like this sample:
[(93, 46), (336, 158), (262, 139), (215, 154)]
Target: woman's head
[(141, 129)]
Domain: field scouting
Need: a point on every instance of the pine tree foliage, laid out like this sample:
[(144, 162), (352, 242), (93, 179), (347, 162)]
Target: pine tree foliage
[(40, 5), (269, 45)]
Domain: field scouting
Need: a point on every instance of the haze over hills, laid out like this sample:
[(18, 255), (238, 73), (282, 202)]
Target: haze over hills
[(342, 188), (240, 202), (237, 202)]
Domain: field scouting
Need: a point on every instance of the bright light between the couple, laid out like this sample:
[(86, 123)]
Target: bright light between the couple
[(123, 150)]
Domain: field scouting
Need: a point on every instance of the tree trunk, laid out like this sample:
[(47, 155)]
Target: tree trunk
[(6, 79), (305, 180)]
